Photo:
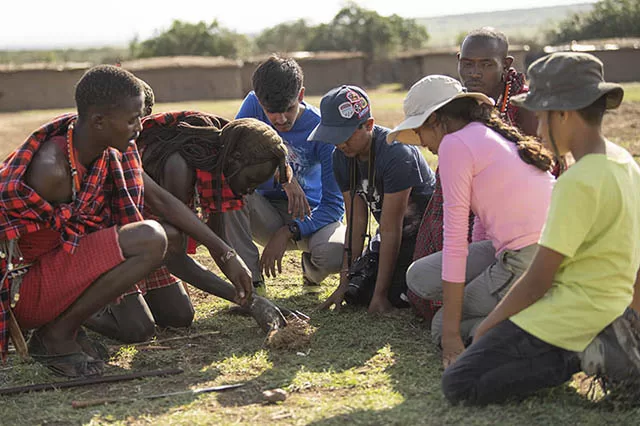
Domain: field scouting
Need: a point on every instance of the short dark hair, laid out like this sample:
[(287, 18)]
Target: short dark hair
[(490, 33), (594, 113), (277, 83), (105, 86)]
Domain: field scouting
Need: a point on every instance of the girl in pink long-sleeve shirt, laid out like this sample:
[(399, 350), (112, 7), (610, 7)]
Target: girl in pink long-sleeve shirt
[(488, 167)]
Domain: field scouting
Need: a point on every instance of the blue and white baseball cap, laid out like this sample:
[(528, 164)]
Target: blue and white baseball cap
[(342, 110)]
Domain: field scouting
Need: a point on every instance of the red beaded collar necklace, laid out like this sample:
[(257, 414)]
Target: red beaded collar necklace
[(75, 185)]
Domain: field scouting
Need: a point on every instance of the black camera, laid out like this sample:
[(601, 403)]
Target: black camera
[(362, 279)]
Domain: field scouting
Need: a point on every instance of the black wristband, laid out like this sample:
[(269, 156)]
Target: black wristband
[(294, 228)]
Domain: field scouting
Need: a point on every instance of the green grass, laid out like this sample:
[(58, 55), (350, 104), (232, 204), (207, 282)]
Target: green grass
[(631, 92), (358, 369)]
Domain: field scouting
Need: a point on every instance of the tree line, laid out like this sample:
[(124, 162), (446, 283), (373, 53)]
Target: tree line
[(608, 19), (353, 28)]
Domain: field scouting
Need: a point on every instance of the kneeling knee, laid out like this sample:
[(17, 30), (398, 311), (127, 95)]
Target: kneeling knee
[(182, 318), (137, 332), (328, 257), (152, 239), (421, 282), (456, 389)]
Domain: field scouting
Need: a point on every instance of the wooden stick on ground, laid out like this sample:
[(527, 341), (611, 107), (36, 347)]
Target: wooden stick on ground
[(102, 401), (169, 339), (17, 338), (88, 381)]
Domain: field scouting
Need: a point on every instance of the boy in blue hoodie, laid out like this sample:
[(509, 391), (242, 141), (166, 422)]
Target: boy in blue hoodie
[(305, 214)]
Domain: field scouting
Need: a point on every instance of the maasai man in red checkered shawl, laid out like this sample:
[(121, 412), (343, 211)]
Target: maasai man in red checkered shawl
[(208, 163), (72, 234), (484, 65)]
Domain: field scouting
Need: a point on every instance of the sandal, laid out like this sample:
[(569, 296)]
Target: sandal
[(92, 347), (72, 365)]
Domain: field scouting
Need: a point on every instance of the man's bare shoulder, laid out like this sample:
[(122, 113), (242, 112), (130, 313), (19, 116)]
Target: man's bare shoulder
[(178, 177), (49, 173)]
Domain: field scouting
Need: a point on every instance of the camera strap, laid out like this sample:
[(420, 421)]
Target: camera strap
[(353, 183), (353, 176)]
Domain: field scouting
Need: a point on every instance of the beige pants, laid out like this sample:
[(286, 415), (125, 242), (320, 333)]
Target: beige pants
[(487, 281), (260, 218)]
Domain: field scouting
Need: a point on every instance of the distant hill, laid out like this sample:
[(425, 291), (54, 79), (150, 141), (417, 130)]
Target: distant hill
[(517, 24)]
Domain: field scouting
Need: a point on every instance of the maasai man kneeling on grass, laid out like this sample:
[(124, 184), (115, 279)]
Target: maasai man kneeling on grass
[(71, 226), (208, 163), (576, 307)]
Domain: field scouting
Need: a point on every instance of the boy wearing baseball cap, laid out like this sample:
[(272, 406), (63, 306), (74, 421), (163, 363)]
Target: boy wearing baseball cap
[(392, 180), (576, 306)]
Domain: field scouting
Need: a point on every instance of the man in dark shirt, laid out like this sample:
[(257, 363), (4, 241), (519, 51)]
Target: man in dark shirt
[(392, 180)]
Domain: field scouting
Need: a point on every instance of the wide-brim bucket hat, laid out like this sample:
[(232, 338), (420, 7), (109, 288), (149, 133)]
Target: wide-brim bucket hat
[(424, 98), (567, 81)]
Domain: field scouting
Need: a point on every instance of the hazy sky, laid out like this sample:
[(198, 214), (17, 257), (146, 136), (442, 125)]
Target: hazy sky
[(75, 23)]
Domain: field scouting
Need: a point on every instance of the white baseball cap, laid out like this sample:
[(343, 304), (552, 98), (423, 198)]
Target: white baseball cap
[(426, 96)]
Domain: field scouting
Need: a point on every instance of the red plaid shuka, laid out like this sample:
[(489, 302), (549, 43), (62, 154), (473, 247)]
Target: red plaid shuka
[(207, 203), (112, 193), (208, 194), (159, 278)]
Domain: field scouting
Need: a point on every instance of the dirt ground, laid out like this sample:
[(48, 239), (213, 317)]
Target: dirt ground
[(621, 125)]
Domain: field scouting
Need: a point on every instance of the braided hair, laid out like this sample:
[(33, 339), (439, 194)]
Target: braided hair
[(212, 144), (529, 149)]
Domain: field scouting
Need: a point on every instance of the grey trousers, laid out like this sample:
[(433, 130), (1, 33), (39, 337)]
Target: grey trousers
[(260, 218), (487, 281)]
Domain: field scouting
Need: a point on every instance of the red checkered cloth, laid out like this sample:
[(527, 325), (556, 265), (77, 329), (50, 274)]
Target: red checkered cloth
[(208, 194), (208, 200), (428, 241), (112, 193), (159, 278)]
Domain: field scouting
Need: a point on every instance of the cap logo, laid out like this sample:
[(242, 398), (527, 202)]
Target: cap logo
[(355, 104), (346, 110)]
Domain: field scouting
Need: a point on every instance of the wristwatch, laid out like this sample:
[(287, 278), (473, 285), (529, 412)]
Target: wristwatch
[(294, 228)]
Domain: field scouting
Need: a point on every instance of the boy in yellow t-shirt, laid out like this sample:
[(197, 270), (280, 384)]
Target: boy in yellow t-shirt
[(575, 307)]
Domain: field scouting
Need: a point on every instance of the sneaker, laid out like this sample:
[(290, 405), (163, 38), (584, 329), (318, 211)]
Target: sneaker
[(615, 352)]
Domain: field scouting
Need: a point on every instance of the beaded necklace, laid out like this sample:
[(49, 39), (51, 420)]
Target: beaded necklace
[(75, 185), (506, 97)]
